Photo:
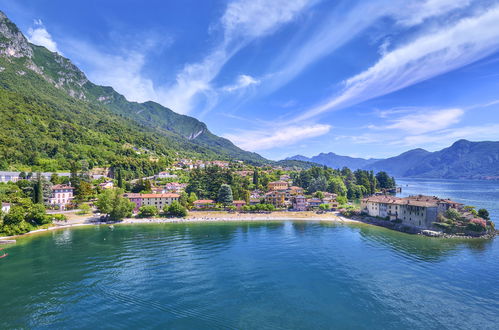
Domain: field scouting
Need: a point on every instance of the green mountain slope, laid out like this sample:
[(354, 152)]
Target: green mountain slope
[(51, 114)]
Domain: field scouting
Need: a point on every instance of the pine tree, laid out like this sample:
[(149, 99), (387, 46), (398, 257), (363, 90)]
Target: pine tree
[(120, 179), (255, 178), (39, 189), (225, 194)]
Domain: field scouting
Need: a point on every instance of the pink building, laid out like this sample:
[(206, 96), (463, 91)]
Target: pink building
[(239, 204), (136, 199), (61, 196)]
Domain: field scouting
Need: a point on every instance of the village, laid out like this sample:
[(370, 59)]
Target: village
[(174, 192)]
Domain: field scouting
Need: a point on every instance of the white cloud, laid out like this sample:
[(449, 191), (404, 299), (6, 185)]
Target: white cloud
[(417, 12), (279, 137), (122, 71), (39, 35), (242, 22), (243, 81), (426, 121), (465, 42)]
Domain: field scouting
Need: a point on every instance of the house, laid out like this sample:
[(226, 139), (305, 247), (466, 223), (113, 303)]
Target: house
[(165, 175), (416, 211), (136, 199), (5, 208), (313, 203), (254, 201), (276, 198), (61, 195), (175, 186), (204, 204), (277, 185), (158, 190), (9, 176), (106, 185), (159, 200), (299, 203), (239, 204), (295, 190)]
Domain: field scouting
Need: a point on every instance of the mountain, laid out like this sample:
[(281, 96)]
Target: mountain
[(399, 165), (462, 160), (51, 113), (335, 161)]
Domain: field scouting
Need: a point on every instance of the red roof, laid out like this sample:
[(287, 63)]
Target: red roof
[(62, 186), (160, 195), (204, 201), (239, 202)]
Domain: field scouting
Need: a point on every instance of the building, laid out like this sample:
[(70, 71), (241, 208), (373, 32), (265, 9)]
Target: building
[(300, 203), (278, 185), (158, 200), (61, 195), (136, 199), (276, 198), (175, 186), (106, 185), (9, 176), (313, 203), (166, 175), (416, 211), (204, 204), (254, 201), (158, 190), (239, 204), (295, 190), (5, 208)]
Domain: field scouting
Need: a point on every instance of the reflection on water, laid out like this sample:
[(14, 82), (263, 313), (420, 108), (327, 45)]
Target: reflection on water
[(248, 275)]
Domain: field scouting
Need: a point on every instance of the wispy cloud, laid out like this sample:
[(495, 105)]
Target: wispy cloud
[(258, 140), (417, 12), (242, 22), (243, 81), (423, 121), (39, 35), (432, 54)]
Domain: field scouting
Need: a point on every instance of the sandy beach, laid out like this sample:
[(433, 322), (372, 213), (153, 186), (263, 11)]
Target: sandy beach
[(75, 220)]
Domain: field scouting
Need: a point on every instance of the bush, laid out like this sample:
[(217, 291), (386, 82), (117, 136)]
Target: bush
[(147, 211), (477, 225), (175, 210)]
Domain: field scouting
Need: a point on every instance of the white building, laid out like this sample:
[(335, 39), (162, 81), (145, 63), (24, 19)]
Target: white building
[(416, 211), (5, 208), (61, 196)]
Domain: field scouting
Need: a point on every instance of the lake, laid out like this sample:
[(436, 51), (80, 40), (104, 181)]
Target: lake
[(479, 193), (265, 275)]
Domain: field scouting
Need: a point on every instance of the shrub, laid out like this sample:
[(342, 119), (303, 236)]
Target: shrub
[(175, 210), (147, 211), (477, 225)]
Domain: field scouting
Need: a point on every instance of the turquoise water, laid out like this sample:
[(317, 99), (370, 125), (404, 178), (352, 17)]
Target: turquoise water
[(287, 275), (482, 194)]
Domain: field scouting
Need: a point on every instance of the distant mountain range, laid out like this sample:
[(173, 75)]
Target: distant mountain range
[(462, 160)]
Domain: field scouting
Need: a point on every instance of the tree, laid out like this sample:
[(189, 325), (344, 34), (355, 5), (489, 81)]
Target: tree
[(342, 200), (120, 180), (39, 189), (337, 186), (192, 199), (83, 191), (112, 203), (324, 207), (147, 211), (175, 210), (84, 209), (319, 194), (484, 214), (225, 195), (255, 178), (385, 181), (184, 199)]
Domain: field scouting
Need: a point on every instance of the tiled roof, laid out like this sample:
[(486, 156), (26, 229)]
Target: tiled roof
[(62, 186), (204, 201)]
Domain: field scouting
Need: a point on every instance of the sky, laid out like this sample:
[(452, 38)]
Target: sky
[(285, 77)]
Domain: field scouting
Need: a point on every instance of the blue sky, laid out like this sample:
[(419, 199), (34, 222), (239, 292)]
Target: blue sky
[(285, 77)]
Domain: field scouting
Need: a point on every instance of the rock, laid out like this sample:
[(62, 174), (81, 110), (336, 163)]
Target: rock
[(431, 233)]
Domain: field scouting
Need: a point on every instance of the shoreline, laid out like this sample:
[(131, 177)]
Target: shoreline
[(196, 217)]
